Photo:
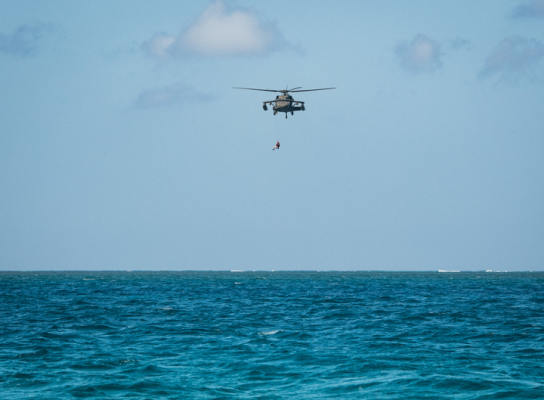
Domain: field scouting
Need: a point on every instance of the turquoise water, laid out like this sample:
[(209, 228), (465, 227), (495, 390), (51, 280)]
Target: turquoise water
[(271, 335)]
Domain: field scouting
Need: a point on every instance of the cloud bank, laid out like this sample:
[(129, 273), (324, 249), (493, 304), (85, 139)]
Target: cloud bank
[(220, 31), (24, 40), (421, 55), (169, 95), (514, 57), (529, 9)]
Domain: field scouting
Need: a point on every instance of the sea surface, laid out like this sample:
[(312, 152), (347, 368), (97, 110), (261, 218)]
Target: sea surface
[(271, 335)]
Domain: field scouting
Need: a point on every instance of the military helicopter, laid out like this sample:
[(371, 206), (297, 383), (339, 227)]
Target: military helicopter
[(284, 102)]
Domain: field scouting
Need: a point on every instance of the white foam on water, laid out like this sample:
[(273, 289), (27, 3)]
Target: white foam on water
[(269, 333)]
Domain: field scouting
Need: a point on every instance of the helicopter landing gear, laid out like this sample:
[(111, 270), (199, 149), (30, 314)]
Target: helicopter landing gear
[(275, 112), (285, 115), (303, 108), (292, 113), (265, 107)]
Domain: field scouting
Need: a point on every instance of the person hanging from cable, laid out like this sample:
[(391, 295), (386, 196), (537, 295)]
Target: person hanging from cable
[(277, 146)]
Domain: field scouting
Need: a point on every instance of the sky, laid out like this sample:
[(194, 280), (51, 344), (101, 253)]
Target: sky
[(124, 147)]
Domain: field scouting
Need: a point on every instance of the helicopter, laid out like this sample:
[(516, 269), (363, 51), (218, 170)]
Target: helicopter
[(285, 102)]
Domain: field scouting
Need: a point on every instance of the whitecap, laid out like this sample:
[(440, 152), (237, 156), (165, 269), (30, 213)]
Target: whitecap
[(269, 333)]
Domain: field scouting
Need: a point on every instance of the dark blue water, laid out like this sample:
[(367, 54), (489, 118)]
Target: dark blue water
[(271, 335)]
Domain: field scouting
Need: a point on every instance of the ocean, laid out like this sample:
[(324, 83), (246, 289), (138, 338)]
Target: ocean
[(271, 335)]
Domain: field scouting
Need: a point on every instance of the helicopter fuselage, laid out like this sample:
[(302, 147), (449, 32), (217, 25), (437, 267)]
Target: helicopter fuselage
[(286, 104)]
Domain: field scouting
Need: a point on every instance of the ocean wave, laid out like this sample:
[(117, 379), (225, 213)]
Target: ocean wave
[(281, 335)]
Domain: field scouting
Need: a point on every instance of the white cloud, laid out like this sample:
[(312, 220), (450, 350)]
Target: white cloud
[(529, 9), (158, 45), (169, 95), (420, 55), (220, 31), (24, 39), (514, 57)]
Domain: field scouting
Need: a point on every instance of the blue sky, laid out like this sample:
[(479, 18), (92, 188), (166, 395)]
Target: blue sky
[(124, 146)]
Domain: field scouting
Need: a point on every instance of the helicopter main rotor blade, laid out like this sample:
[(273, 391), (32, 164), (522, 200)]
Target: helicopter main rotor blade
[(290, 90), (261, 90), (312, 90)]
